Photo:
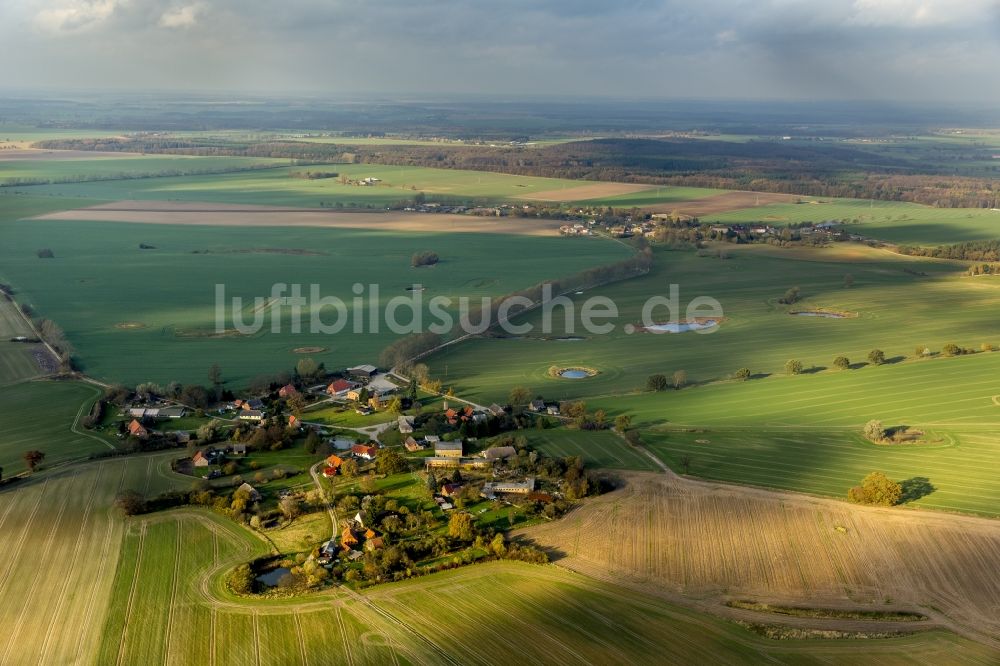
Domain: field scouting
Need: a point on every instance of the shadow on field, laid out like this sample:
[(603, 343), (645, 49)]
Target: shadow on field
[(915, 488), (893, 360), (857, 366), (813, 370), (760, 375)]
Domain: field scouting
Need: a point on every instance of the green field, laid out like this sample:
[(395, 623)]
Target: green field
[(803, 433), (129, 167), (16, 359), (600, 448), (895, 222), (42, 415), (659, 196), (275, 187), (933, 304), (101, 280)]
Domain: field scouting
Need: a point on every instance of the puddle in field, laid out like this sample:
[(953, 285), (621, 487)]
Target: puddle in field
[(683, 326), (272, 577)]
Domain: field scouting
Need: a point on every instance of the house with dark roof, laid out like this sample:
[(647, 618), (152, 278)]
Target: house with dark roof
[(252, 415), (287, 391), (448, 449), (362, 371)]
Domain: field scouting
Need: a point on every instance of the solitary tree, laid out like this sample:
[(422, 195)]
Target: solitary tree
[(680, 378), (875, 431), (841, 363), (432, 483), (519, 396), (793, 366), (290, 508), (33, 459), (877, 489), (791, 296), (461, 527), (130, 502), (215, 374), (742, 374), (876, 357), (685, 461), (307, 368), (657, 382), (623, 422)]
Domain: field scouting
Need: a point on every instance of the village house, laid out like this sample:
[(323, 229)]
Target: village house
[(252, 415), (341, 387), (199, 459), (364, 451), (293, 421), (287, 391), (448, 449), (412, 445), (240, 449), (537, 405), (405, 424), (493, 488), (499, 453), (452, 463), (363, 372), (496, 410), (450, 489), (252, 493), (136, 429)]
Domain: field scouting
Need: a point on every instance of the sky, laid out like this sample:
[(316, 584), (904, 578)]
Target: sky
[(919, 50)]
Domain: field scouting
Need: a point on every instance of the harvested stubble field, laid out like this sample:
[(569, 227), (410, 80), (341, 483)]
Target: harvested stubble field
[(713, 543)]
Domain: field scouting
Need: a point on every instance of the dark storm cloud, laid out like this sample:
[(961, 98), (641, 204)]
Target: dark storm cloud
[(915, 49)]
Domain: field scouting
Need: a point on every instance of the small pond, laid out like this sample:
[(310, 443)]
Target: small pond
[(271, 578), (574, 374), (682, 327)]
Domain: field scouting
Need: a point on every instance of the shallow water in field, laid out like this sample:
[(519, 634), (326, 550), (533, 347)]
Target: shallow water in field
[(574, 374), (682, 327)]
